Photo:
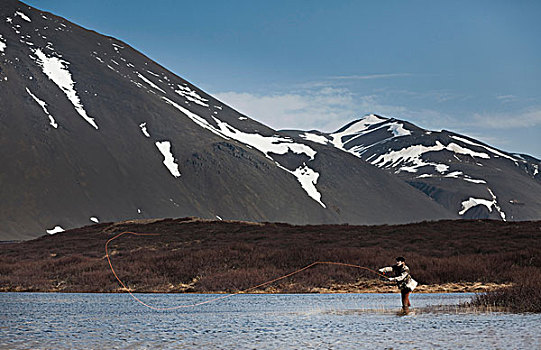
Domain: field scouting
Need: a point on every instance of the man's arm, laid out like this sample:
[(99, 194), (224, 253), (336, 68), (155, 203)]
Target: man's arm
[(386, 269)]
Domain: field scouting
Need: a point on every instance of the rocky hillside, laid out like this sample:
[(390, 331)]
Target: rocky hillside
[(92, 130)]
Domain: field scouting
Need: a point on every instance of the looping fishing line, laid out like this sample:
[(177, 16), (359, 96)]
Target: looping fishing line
[(223, 296)]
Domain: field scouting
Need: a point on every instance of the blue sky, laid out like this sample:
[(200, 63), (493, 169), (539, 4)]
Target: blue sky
[(473, 67)]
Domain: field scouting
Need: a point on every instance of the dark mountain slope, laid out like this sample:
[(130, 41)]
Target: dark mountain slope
[(92, 130)]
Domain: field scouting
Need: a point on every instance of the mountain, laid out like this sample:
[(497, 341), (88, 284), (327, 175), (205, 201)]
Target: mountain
[(464, 175), (92, 130)]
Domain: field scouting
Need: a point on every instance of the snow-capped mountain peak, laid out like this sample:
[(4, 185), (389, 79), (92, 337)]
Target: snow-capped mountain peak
[(369, 127), (455, 170)]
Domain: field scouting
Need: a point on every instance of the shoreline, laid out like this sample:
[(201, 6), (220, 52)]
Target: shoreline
[(459, 287)]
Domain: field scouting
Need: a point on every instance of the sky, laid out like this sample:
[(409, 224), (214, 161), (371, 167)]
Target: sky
[(472, 67)]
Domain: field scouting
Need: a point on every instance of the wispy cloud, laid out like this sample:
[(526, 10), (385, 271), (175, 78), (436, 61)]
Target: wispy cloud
[(325, 109), (328, 108), (438, 96), (506, 97), (370, 76), (526, 118), (341, 80)]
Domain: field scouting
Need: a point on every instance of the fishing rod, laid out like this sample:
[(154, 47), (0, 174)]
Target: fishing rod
[(223, 296)]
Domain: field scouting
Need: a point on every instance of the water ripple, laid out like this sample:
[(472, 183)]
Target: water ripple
[(313, 321)]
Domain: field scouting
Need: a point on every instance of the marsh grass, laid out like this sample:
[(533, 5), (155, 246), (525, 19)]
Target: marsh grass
[(432, 309), (201, 256), (523, 296)]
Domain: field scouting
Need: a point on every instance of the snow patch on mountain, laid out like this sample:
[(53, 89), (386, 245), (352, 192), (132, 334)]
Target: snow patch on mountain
[(453, 147), (152, 73), (202, 122), (306, 176), (265, 144), (367, 125), (169, 160), (136, 83), (355, 128), (54, 230), (472, 202), (143, 78), (3, 44), (191, 95), (490, 149), (23, 16), (412, 155), (95, 55), (498, 208), (56, 70), (315, 138), (308, 180), (144, 130), (490, 204), (456, 175), (398, 130), (519, 156), (43, 106), (475, 181)]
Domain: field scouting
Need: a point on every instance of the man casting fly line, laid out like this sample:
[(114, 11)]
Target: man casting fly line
[(403, 279)]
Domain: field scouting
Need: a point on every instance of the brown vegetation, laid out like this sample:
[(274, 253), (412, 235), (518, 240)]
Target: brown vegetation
[(192, 255), (523, 296)]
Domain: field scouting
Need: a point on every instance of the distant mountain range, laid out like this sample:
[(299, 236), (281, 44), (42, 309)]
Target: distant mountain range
[(462, 174), (92, 130)]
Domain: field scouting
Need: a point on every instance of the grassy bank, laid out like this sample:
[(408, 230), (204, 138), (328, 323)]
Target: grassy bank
[(523, 296), (212, 256)]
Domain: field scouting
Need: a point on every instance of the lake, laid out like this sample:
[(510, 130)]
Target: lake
[(260, 321)]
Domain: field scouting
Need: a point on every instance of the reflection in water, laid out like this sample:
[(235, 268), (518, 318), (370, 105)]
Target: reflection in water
[(310, 321)]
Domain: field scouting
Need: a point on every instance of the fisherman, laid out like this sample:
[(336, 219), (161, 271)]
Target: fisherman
[(403, 280)]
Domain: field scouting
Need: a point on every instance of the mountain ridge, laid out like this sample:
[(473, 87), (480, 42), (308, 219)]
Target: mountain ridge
[(410, 152), (98, 130), (93, 130)]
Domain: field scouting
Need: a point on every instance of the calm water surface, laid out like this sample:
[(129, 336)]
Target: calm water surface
[(313, 321)]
